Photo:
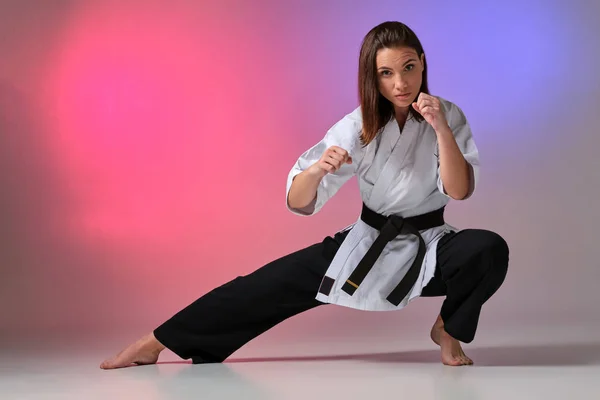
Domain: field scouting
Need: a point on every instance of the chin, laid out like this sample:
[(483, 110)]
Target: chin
[(402, 104)]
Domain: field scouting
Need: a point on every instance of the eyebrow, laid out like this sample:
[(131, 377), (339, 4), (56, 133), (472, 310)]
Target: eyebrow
[(406, 62)]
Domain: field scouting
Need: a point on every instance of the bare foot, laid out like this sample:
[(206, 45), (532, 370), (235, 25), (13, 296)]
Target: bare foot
[(144, 351), (452, 352)]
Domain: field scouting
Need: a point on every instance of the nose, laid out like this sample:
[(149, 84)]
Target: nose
[(400, 83)]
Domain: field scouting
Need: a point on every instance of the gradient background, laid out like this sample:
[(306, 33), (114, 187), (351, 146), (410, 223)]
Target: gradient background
[(145, 145)]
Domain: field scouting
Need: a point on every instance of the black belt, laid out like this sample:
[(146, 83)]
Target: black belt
[(389, 228)]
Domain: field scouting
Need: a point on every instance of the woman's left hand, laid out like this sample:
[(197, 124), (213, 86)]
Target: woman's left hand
[(431, 109)]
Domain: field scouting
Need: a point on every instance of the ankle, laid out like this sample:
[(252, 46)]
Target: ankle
[(154, 344)]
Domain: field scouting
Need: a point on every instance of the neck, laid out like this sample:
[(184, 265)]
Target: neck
[(401, 115)]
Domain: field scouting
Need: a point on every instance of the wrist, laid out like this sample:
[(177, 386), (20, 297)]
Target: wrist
[(315, 172), (444, 131)]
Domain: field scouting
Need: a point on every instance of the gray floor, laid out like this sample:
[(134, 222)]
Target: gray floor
[(512, 368)]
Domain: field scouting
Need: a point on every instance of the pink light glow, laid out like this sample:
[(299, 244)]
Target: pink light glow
[(137, 109)]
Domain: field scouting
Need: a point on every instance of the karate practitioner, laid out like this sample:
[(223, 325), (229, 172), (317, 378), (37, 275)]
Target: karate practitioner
[(411, 153)]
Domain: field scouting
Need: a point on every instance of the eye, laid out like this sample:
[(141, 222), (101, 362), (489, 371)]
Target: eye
[(409, 67), (386, 73)]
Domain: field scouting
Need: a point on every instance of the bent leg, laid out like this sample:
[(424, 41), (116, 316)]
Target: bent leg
[(471, 266)]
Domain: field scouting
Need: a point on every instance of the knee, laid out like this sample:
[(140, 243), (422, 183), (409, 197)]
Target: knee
[(496, 246), (496, 250), (493, 247)]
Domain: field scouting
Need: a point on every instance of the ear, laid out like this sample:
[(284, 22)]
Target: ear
[(423, 59)]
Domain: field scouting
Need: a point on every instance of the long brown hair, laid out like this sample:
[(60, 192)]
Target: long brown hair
[(376, 109)]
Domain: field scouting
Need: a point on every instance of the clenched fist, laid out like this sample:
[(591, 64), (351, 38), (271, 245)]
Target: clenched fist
[(332, 159), (431, 109)]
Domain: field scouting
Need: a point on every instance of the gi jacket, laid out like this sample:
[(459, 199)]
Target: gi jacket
[(398, 174)]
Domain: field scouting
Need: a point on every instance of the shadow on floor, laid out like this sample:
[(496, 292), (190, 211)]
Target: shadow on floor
[(543, 355)]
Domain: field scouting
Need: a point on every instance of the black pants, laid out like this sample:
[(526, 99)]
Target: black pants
[(471, 266)]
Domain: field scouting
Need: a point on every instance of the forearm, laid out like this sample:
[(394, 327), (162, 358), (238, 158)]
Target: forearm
[(454, 169), (304, 188)]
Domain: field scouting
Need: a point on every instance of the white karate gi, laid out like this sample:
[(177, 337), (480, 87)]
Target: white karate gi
[(398, 173)]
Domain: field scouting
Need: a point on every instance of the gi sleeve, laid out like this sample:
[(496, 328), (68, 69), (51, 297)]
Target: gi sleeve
[(344, 134), (464, 138)]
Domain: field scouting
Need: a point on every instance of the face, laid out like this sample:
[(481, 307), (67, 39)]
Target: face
[(399, 75)]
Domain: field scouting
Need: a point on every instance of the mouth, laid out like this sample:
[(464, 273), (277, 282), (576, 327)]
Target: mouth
[(403, 96)]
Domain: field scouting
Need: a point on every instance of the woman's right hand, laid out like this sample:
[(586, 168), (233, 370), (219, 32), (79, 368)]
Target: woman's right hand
[(332, 159), (305, 185)]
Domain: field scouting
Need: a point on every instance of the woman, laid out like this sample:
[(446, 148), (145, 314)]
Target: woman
[(411, 152)]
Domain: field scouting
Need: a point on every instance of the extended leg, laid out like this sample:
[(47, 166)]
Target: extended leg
[(217, 324)]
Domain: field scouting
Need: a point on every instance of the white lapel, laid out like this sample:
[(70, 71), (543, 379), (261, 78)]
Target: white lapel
[(400, 143)]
